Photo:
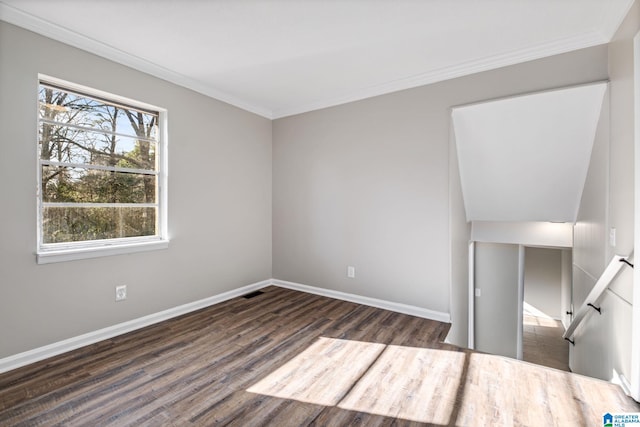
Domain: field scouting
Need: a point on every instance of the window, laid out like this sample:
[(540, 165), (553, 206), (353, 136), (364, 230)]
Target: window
[(100, 174)]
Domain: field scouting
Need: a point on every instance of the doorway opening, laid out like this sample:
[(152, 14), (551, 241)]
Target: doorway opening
[(546, 302)]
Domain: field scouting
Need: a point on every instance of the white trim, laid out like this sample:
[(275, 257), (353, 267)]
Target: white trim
[(594, 38), (54, 349), (472, 298), (55, 123), (37, 354), (61, 34), (99, 167), (96, 205), (635, 330), (70, 251), (162, 160), (62, 255), (40, 26), (372, 302), (97, 94), (520, 322), (621, 380)]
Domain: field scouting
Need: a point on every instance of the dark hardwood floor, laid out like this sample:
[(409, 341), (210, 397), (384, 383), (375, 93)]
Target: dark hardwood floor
[(286, 358)]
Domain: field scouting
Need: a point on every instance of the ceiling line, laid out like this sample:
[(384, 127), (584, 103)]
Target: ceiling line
[(45, 28), (72, 38), (459, 70)]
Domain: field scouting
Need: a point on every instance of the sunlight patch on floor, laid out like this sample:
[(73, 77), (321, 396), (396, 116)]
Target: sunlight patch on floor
[(539, 321), (417, 384), (323, 373), (533, 316), (495, 382)]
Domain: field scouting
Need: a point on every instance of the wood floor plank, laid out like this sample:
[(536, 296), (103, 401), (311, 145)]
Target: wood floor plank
[(287, 358)]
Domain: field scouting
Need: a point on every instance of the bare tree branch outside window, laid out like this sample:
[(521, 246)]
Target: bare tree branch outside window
[(98, 168)]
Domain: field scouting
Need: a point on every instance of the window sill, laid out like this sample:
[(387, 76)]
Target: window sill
[(47, 257)]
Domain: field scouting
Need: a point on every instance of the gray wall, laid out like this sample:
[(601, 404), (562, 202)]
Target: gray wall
[(590, 231), (460, 234), (219, 203), (603, 343), (366, 184), (543, 280), (497, 268), (565, 287), (528, 233)]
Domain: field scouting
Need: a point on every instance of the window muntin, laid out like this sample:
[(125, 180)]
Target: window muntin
[(99, 171)]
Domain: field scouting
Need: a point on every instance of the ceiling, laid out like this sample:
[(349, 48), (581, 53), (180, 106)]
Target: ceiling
[(526, 158), (521, 159), (283, 57)]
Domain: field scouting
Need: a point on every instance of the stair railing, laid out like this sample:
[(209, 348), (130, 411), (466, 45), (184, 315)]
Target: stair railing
[(612, 270)]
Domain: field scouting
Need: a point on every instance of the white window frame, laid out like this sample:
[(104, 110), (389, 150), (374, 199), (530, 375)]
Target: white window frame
[(59, 252), (635, 329)]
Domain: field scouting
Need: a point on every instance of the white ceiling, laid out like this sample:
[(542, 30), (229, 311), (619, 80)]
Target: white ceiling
[(526, 158), (283, 57)]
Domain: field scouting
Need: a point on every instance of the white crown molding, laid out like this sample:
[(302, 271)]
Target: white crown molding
[(45, 28), (603, 35), (372, 302), (591, 39), (54, 349)]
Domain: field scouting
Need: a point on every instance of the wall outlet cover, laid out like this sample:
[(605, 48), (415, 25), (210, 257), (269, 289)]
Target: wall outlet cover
[(351, 271), (612, 237), (121, 293)]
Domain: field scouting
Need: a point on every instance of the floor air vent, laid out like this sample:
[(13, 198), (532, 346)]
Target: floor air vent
[(252, 294)]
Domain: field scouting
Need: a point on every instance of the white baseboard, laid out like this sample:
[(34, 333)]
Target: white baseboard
[(621, 381), (37, 354), (373, 302), (54, 349)]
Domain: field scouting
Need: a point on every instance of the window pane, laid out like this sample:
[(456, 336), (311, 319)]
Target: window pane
[(63, 224), (82, 134), (67, 107), (78, 185), (65, 144)]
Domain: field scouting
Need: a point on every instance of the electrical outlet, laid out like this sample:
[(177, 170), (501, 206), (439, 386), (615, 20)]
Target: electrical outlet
[(351, 272), (612, 237), (121, 293)]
